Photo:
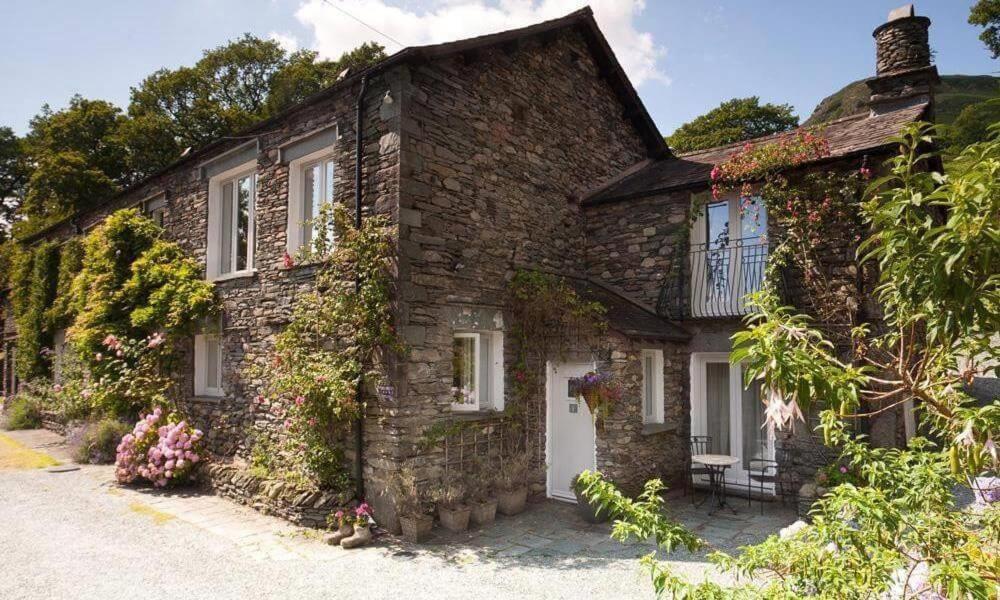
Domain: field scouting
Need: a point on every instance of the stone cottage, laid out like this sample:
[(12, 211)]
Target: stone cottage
[(527, 149)]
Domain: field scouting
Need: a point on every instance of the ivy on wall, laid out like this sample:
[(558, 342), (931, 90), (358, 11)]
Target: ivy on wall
[(134, 284), (60, 315), (33, 289), (339, 335)]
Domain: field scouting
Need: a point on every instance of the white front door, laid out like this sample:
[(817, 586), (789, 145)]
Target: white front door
[(571, 446), (728, 412)]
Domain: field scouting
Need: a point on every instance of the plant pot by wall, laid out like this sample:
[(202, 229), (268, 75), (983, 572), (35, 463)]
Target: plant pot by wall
[(484, 513), (511, 502), (416, 528), (588, 510), (362, 536), (455, 518), (345, 531)]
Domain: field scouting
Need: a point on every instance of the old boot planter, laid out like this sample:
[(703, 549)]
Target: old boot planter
[(511, 502), (362, 536), (416, 528), (455, 518), (336, 537), (484, 513)]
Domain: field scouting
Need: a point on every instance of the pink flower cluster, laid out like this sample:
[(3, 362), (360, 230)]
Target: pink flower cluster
[(157, 453)]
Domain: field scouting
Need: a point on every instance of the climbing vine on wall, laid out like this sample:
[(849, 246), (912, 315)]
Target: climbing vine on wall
[(339, 335), (33, 288), (813, 213), (546, 317)]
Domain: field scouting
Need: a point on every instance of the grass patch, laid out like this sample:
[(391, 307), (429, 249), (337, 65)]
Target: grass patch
[(15, 455), (158, 516)]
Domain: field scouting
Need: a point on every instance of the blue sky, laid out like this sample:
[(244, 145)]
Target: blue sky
[(686, 55)]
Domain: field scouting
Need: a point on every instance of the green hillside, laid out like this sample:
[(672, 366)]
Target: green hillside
[(955, 93)]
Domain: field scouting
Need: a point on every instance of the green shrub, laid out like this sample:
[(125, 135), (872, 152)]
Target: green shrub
[(22, 412), (96, 442)]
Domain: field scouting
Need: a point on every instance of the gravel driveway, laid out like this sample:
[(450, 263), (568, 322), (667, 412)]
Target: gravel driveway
[(76, 535)]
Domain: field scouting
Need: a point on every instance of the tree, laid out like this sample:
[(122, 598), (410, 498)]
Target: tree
[(986, 13), (304, 75), (78, 158), (896, 531), (13, 176), (733, 121), (228, 89), (972, 124)]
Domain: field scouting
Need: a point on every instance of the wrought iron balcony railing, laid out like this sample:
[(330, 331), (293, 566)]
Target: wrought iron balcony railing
[(715, 278)]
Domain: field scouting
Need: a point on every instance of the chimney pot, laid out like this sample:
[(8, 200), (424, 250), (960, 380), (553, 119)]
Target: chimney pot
[(904, 74)]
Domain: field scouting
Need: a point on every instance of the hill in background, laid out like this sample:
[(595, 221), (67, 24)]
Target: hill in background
[(955, 93)]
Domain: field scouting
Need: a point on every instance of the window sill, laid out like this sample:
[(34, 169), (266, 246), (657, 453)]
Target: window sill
[(207, 399), (474, 415), (236, 275), (654, 428)]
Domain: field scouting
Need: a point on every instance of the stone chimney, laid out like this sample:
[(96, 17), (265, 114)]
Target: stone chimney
[(904, 75)]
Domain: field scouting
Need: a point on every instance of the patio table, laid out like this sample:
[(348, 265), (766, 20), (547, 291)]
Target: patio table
[(717, 465)]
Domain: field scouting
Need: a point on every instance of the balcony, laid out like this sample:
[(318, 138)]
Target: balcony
[(715, 278)]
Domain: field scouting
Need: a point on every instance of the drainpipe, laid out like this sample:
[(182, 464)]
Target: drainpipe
[(359, 423)]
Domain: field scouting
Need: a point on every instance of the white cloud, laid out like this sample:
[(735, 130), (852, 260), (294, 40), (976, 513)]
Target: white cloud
[(289, 43), (448, 20)]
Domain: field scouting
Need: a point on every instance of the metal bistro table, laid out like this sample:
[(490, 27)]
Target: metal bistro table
[(717, 465)]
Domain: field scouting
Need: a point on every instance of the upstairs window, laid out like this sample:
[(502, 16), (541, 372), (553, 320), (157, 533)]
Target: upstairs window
[(231, 223), (652, 386), (312, 181), (477, 371)]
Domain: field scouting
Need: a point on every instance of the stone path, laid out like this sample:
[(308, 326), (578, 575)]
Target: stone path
[(66, 522)]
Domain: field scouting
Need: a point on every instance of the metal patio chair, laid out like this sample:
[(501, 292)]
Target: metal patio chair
[(765, 471), (700, 444)]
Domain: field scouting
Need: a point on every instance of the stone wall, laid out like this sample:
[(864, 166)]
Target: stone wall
[(629, 452), (306, 507), (497, 147)]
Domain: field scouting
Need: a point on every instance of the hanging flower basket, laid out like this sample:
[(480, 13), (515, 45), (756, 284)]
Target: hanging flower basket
[(601, 392)]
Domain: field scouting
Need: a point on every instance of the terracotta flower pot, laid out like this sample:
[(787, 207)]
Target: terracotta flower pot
[(484, 513), (588, 510), (362, 536), (455, 518), (511, 502), (416, 528)]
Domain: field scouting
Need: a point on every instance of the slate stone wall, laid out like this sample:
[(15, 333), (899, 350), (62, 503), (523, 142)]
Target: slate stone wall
[(497, 148)]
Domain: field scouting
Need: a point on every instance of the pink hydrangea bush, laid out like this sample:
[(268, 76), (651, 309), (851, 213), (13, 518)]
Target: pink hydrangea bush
[(160, 453)]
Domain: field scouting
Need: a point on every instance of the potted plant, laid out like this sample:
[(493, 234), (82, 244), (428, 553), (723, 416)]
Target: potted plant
[(481, 495), (590, 511), (344, 523), (452, 509), (362, 522), (410, 506), (601, 393), (512, 488)]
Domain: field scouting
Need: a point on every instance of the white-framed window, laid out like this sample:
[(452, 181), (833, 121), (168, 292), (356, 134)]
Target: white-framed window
[(207, 365), (652, 386), (477, 371), (311, 184), (231, 222)]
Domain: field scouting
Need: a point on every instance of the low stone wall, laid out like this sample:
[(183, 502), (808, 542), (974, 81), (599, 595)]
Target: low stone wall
[(308, 508), (54, 422)]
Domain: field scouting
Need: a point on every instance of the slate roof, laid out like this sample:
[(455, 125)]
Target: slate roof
[(857, 134), (627, 316)]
